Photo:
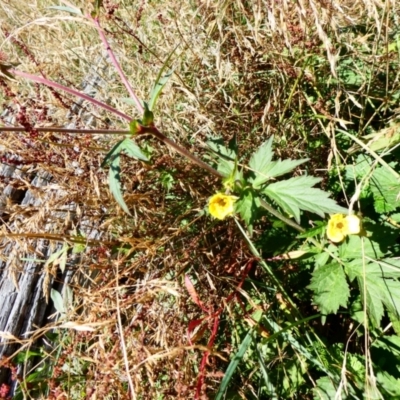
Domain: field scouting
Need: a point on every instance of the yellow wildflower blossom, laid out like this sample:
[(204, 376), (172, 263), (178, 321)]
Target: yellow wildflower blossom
[(221, 205), (339, 226)]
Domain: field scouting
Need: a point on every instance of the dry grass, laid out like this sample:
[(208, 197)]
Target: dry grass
[(240, 68)]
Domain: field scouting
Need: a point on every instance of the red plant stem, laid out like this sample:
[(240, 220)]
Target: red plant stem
[(160, 136), (214, 331), (74, 92), (204, 360), (67, 130), (117, 66)]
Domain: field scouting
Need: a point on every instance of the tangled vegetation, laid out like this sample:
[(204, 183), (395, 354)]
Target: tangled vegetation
[(240, 169)]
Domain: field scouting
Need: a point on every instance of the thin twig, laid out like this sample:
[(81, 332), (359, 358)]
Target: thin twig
[(121, 332)]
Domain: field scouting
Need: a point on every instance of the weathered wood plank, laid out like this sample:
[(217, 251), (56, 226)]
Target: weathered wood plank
[(23, 304)]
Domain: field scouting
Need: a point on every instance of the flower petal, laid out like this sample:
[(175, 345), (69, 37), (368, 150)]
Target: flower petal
[(354, 224), (221, 205), (337, 228)]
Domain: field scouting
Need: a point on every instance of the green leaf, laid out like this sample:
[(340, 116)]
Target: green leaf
[(58, 301), (380, 290), (67, 9), (395, 320), (318, 229), (264, 169), (392, 298), (246, 206), (114, 179), (262, 157), (386, 268), (233, 364), (275, 169), (330, 288), (148, 116), (226, 156), (112, 153), (159, 85), (385, 189), (130, 148), (356, 246), (161, 80), (297, 194), (390, 385), (134, 127), (373, 290), (133, 150), (23, 356), (325, 390)]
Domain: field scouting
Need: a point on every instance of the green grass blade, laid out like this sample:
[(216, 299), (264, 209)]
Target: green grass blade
[(160, 81), (268, 384), (233, 364), (158, 87)]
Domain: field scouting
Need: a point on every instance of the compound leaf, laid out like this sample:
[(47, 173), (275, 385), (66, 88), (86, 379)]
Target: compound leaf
[(297, 194), (262, 157), (385, 189), (330, 288)]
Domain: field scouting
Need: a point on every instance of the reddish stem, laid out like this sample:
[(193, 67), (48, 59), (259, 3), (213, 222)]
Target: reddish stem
[(117, 66), (74, 92)]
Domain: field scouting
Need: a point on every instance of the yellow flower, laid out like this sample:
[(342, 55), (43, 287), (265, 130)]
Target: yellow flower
[(221, 205), (339, 226)]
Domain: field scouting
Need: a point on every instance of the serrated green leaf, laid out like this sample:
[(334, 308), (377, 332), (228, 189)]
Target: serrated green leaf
[(262, 156), (325, 390), (357, 247), (395, 320), (390, 385), (114, 179), (330, 288), (373, 290), (264, 169), (321, 259), (297, 194), (373, 278), (392, 298), (386, 268), (112, 153), (133, 150), (246, 207), (275, 169), (385, 189), (359, 170)]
